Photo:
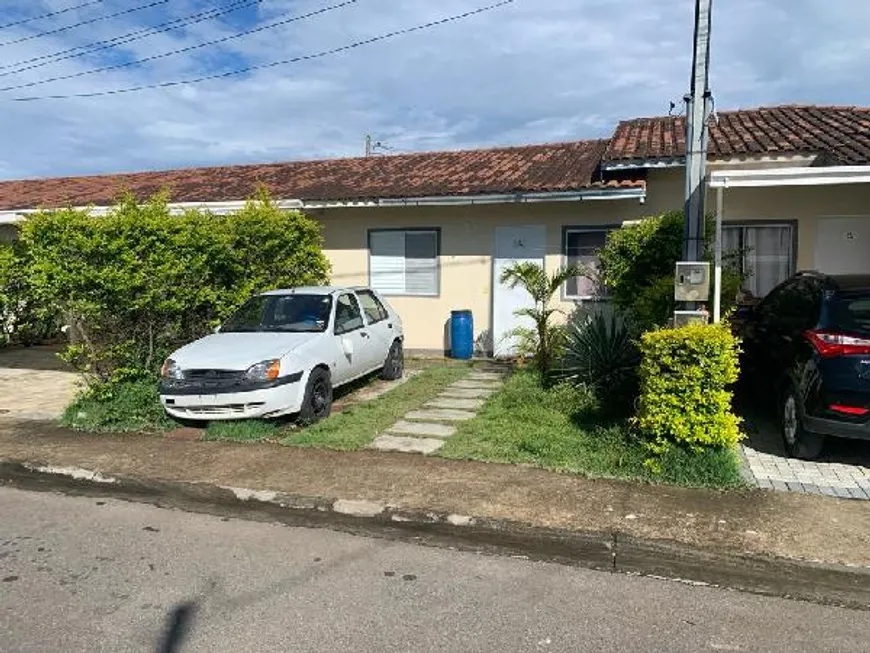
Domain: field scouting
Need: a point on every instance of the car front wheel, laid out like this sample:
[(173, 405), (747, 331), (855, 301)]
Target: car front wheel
[(394, 366), (798, 441), (317, 403)]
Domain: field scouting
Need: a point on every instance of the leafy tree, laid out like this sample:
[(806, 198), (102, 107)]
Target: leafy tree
[(139, 281), (638, 265), (543, 341)]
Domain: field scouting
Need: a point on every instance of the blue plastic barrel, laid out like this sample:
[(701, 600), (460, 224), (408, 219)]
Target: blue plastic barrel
[(461, 334)]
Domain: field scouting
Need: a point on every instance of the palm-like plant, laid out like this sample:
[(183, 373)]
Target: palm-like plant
[(543, 339)]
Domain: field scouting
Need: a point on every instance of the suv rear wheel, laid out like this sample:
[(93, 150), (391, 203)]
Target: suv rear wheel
[(798, 441)]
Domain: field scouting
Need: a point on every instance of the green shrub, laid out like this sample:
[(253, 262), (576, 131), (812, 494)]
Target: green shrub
[(600, 353), (22, 319), (139, 281), (638, 265), (118, 407), (7, 261), (685, 376)]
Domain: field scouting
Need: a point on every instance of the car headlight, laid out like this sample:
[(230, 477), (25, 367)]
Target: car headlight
[(264, 371), (171, 370)]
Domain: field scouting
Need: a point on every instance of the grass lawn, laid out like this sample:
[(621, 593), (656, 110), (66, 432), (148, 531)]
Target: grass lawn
[(357, 425), (558, 429), (122, 407)]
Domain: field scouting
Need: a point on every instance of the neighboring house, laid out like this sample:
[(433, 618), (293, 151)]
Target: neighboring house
[(434, 230)]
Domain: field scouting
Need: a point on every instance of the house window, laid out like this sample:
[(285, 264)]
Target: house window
[(764, 254), (404, 262), (581, 246)]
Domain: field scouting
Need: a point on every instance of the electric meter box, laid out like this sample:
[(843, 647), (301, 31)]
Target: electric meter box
[(692, 282)]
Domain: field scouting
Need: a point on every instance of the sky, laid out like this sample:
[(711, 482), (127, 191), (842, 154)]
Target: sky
[(532, 71)]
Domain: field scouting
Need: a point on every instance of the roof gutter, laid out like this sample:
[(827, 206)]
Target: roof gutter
[(799, 176), (470, 200), (175, 208)]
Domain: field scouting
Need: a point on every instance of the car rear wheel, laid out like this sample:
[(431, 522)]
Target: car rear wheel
[(394, 366), (798, 441), (317, 403)]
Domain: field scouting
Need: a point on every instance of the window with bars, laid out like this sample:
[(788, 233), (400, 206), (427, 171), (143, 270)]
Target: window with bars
[(581, 246), (404, 261)]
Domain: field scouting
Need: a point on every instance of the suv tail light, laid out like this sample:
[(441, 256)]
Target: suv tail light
[(831, 343), (856, 411)]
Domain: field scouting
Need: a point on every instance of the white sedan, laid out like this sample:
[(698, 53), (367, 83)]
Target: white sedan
[(282, 353)]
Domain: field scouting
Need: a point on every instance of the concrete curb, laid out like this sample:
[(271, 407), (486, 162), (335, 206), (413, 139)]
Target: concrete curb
[(607, 551)]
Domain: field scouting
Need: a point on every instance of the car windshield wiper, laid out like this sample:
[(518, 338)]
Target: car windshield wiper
[(241, 329), (294, 329)]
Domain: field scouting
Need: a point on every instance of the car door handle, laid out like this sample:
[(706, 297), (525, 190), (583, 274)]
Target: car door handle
[(389, 325), (364, 334)]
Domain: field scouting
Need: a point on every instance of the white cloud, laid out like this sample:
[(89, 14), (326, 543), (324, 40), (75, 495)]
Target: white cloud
[(535, 71)]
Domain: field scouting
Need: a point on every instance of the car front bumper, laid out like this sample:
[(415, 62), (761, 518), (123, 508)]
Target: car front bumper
[(198, 403)]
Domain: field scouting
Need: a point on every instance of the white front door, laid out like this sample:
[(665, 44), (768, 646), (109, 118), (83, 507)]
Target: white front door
[(843, 245), (513, 245)]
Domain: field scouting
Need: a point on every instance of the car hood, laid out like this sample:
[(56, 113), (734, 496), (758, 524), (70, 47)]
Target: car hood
[(238, 351)]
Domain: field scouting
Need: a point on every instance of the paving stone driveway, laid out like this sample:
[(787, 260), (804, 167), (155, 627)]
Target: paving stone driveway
[(34, 383), (842, 471)]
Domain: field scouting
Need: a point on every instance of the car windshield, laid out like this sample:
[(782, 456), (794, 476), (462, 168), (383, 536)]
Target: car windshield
[(292, 313), (850, 312)]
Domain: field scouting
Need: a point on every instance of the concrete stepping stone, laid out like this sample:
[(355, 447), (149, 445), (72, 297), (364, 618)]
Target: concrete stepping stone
[(422, 429), (484, 376), (405, 444), (455, 404), (466, 393), (439, 415), (476, 385)]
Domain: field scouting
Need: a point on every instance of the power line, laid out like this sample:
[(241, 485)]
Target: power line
[(136, 35), (51, 13), (84, 22), (274, 64), (190, 48)]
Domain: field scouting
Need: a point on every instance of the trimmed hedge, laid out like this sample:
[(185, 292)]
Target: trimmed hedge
[(139, 281), (685, 399)]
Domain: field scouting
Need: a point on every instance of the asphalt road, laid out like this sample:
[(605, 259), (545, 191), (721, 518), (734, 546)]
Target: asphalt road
[(79, 574)]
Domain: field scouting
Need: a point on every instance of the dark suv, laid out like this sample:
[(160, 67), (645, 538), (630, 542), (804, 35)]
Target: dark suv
[(806, 347)]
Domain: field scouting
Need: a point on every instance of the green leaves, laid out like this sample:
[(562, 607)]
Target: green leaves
[(638, 266), (138, 282), (600, 353), (685, 375), (545, 340)]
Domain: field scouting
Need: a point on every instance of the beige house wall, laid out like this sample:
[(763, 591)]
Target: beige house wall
[(468, 238)]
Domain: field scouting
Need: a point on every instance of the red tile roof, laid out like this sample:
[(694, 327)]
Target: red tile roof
[(842, 134), (534, 168)]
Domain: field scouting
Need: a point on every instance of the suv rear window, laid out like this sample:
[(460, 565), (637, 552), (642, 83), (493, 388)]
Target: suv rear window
[(850, 312)]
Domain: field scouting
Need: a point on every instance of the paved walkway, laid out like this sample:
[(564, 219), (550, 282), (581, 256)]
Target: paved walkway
[(425, 430), (842, 471), (34, 383)]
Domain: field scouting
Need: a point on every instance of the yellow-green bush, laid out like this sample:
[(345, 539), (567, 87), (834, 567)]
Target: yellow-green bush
[(685, 375)]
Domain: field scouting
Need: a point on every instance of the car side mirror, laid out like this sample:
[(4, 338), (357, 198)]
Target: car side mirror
[(217, 329)]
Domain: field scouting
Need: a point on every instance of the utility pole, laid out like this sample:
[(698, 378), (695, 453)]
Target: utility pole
[(368, 144), (698, 106)]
